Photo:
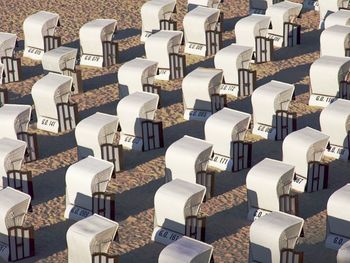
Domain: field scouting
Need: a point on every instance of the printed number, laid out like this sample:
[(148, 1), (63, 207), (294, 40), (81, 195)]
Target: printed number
[(338, 240), (265, 129), (196, 46), (326, 99), (92, 58), (298, 180)]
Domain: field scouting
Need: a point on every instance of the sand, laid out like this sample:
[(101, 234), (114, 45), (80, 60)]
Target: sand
[(227, 226)]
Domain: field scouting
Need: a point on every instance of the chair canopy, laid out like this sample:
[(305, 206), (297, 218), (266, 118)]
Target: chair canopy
[(341, 17), (334, 40), (7, 44), (59, 59), (14, 119)]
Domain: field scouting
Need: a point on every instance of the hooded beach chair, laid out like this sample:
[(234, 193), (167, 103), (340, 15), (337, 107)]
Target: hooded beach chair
[(235, 60), (268, 189), (186, 250), (136, 75), (202, 28), (164, 47), (310, 144), (252, 31), (136, 114), (62, 60), (88, 240), (283, 231), (16, 240), (343, 255), (86, 184), (328, 80), (341, 18), (181, 218), (226, 130), (98, 49), (51, 99), (328, 7), (201, 97), (10, 66), (15, 120), (338, 219), (335, 41), (157, 15), (271, 117), (95, 136), (39, 34), (335, 122)]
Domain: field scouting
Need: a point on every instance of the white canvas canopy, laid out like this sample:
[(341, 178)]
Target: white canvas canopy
[(35, 28), (335, 122), (152, 12), (95, 130), (266, 182), (14, 119), (83, 179), (58, 59), (330, 6), (93, 234), (7, 44), (341, 17), (250, 27), (197, 88), (334, 40), (186, 250), (282, 230), (192, 153), (132, 75), (343, 255), (266, 100), (310, 145), (232, 58), (173, 203), (205, 3), (196, 23), (325, 76), (338, 218), (47, 92), (11, 157), (280, 13)]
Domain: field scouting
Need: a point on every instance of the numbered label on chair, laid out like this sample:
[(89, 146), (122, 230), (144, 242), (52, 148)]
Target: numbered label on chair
[(197, 115), (265, 131), (33, 53), (299, 183), (321, 100), (220, 162), (131, 142), (229, 89), (335, 241), (90, 60), (48, 124), (164, 236), (255, 213), (163, 74), (337, 152), (277, 40), (195, 49)]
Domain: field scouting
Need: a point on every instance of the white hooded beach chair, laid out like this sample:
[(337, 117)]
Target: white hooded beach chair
[(62, 60), (39, 34), (327, 78), (16, 241), (186, 250), (136, 75), (11, 160), (283, 231), (15, 120), (343, 255), (226, 130), (341, 18), (171, 222), (335, 122), (97, 46), (338, 218), (252, 31), (202, 28), (271, 118), (136, 114), (310, 145), (157, 15), (164, 47), (200, 90), (335, 41), (86, 183), (95, 136), (10, 66), (284, 31), (88, 240), (51, 98), (268, 189), (328, 7), (235, 60)]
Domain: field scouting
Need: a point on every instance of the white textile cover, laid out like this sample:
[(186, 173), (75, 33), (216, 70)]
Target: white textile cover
[(266, 182), (58, 59), (232, 58), (186, 250), (135, 108), (7, 44), (343, 255), (310, 145), (334, 40), (224, 127), (14, 119), (330, 6), (206, 3), (95, 130), (91, 235), (282, 230), (193, 154), (341, 17), (176, 200)]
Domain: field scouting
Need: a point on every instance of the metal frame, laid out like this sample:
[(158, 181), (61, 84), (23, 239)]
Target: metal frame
[(21, 242), (177, 66), (103, 204), (289, 204), (195, 227), (51, 42), (4, 95), (286, 123), (291, 34), (152, 135), (217, 102), (21, 180), (32, 152), (114, 154), (241, 155), (246, 82), (317, 176), (263, 49), (291, 256), (67, 116), (207, 180), (110, 53), (344, 90), (77, 85), (104, 258), (12, 69)]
